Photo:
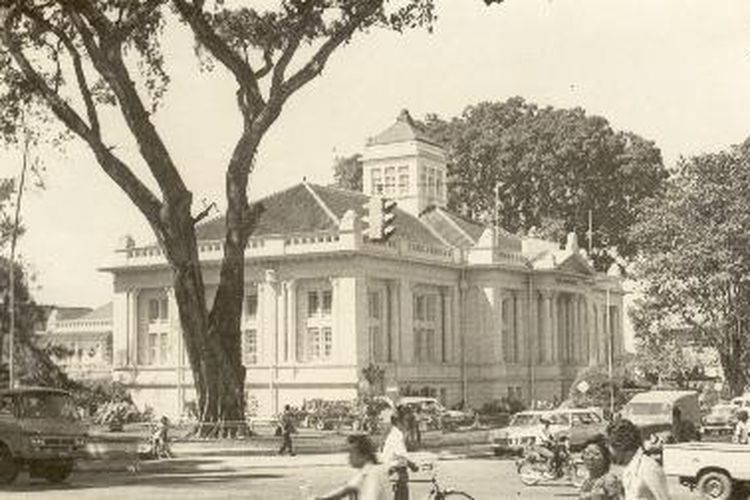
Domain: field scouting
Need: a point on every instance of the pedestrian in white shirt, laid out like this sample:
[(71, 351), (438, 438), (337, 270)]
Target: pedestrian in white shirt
[(742, 429), (643, 478), (371, 482), (395, 457)]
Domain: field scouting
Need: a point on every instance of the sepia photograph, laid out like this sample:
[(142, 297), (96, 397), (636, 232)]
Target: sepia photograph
[(374, 249)]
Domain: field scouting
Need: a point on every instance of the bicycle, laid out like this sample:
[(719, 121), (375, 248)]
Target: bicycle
[(437, 492)]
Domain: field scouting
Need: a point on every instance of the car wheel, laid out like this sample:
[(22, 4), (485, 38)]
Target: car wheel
[(715, 485), (8, 466), (56, 472)]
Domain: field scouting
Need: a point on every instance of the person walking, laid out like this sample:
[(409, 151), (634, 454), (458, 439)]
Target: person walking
[(741, 429), (371, 481), (643, 478), (395, 457), (602, 483), (286, 425)]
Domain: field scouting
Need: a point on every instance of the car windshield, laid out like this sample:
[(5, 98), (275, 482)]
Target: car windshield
[(648, 409), (722, 410), (524, 419), (48, 405)]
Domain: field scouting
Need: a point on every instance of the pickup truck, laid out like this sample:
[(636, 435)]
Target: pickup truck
[(715, 470), (39, 430)]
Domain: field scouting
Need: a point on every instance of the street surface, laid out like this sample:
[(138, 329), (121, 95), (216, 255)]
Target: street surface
[(292, 478)]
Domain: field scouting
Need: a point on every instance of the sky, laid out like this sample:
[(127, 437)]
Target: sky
[(674, 71)]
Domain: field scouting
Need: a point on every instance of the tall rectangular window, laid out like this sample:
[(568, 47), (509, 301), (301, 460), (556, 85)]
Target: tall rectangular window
[(250, 347), (153, 345), (375, 324), (318, 328), (403, 180), (377, 182), (251, 306), (164, 309), (153, 310), (426, 325), (164, 348), (390, 181)]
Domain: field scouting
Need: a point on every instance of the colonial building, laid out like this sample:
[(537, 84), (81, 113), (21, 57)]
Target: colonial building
[(467, 311), (80, 340)]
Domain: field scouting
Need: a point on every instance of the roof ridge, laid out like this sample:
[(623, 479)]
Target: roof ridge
[(340, 189), (453, 223), (321, 203)]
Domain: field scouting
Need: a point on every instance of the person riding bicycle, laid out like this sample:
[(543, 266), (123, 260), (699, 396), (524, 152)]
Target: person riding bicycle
[(549, 447)]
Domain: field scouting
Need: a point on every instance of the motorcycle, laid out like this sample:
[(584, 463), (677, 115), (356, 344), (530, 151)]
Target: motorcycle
[(533, 468)]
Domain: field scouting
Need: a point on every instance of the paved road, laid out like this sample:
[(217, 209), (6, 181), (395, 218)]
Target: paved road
[(275, 478)]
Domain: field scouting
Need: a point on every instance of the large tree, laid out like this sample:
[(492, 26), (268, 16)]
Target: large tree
[(550, 167), (694, 262), (109, 52)]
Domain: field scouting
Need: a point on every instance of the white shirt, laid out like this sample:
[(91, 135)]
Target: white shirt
[(394, 449), (742, 432), (372, 483), (644, 479)]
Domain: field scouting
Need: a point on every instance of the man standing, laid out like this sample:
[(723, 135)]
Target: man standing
[(394, 456), (643, 478), (286, 424), (742, 429)]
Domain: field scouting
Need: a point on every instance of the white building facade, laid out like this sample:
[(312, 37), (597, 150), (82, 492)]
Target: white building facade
[(446, 305)]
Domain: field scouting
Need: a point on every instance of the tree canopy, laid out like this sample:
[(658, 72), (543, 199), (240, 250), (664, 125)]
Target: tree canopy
[(550, 167), (693, 260), (347, 172)]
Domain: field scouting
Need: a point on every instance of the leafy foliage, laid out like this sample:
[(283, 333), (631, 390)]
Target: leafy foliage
[(347, 172), (694, 263), (602, 389), (550, 167)]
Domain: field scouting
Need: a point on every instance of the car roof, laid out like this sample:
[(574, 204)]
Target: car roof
[(661, 396), (416, 399), (33, 390)]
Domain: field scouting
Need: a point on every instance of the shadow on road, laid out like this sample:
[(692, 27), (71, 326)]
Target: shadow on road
[(185, 473)]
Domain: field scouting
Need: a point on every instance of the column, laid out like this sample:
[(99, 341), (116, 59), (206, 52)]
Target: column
[(554, 327), (133, 326), (291, 320), (582, 332), (545, 327), (405, 346)]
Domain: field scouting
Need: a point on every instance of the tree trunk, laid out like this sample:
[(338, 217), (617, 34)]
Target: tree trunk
[(734, 372), (212, 341)]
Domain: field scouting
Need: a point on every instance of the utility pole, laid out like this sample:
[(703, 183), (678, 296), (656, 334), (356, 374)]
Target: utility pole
[(590, 232), (12, 264), (608, 330)]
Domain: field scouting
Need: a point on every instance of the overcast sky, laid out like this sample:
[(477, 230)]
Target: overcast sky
[(674, 71)]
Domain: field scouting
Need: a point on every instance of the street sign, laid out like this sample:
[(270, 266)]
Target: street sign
[(583, 387)]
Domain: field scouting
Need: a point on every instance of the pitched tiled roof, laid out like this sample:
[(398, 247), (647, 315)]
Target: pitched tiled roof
[(470, 227), (405, 129), (443, 224), (101, 312), (296, 210), (67, 313)]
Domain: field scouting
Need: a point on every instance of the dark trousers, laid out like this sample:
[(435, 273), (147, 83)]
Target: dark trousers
[(401, 486), (286, 443)]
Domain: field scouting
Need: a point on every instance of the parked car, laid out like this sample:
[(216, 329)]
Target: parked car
[(579, 425), (434, 415), (651, 411), (720, 419), (39, 429)]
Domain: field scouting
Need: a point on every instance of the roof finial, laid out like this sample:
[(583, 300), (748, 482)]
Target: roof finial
[(304, 179), (404, 116)]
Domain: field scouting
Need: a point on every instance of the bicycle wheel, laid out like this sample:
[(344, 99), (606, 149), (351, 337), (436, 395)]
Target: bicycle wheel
[(528, 474), (453, 495)]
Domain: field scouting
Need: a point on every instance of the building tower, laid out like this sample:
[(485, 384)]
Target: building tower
[(404, 164)]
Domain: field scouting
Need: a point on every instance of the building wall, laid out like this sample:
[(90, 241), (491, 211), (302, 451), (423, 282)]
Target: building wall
[(317, 322)]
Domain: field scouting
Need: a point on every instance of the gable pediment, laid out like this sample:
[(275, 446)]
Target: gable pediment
[(576, 264)]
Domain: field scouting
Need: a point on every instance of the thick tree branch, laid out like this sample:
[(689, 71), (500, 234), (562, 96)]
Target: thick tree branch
[(77, 65), (134, 20), (243, 72), (318, 61), (107, 59), (141, 196)]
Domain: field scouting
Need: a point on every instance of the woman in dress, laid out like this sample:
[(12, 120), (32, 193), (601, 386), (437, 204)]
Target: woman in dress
[(602, 483)]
